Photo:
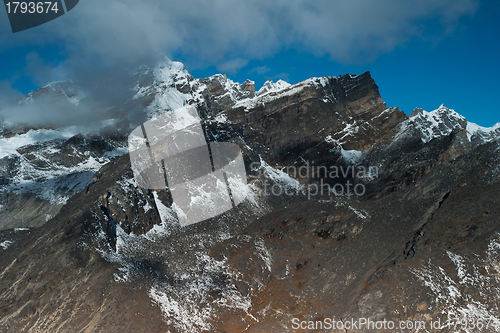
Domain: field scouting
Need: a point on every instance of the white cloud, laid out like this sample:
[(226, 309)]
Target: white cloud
[(42, 72), (280, 76), (259, 70), (124, 32), (232, 66), (7, 93)]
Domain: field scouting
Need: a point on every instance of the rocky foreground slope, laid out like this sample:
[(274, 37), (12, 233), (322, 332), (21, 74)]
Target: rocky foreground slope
[(405, 229)]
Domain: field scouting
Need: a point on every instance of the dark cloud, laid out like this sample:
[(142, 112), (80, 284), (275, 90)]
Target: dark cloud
[(118, 34), (124, 31), (45, 112), (89, 100)]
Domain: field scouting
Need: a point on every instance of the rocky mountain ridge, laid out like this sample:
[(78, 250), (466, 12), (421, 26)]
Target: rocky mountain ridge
[(112, 256)]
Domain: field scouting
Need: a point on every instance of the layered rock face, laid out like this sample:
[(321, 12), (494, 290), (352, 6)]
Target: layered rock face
[(419, 244), (298, 118)]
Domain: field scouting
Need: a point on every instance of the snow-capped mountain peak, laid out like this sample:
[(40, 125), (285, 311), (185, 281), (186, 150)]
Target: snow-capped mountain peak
[(205, 276), (270, 86), (478, 135), (438, 123), (443, 121)]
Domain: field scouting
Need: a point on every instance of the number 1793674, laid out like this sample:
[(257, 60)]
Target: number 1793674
[(31, 7)]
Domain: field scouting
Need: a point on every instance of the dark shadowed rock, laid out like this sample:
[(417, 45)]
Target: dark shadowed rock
[(422, 241)]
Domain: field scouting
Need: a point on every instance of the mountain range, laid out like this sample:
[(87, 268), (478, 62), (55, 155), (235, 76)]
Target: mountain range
[(353, 210)]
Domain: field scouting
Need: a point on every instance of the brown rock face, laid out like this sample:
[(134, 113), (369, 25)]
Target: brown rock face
[(420, 242), (248, 86), (281, 126)]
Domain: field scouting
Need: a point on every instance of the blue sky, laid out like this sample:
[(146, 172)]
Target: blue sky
[(420, 55)]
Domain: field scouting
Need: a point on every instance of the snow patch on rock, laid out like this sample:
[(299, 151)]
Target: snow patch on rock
[(455, 297), (5, 244)]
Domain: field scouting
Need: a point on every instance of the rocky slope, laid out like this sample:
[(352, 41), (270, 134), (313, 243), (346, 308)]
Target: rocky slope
[(94, 252)]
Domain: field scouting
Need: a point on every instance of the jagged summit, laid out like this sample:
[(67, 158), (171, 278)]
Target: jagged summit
[(270, 86), (348, 109), (84, 247), (438, 123), (444, 121)]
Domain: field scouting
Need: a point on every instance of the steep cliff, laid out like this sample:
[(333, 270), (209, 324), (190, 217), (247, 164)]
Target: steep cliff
[(418, 237)]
